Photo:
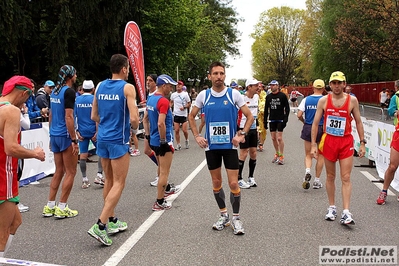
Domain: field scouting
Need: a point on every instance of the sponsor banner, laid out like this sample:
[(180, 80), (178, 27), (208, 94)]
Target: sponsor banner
[(360, 255), (35, 169), (134, 49), (369, 131), (383, 136)]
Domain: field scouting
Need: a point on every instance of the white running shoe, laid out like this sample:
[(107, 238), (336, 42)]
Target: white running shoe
[(243, 184), (236, 224), (252, 182), (346, 218), (155, 182), (222, 222), (22, 208), (135, 153), (331, 214), (317, 185)]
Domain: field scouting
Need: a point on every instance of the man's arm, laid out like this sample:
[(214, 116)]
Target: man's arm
[(94, 110), (162, 126), (392, 106), (286, 109), (130, 93), (11, 130), (316, 120), (266, 112), (191, 120), (250, 118), (359, 125), (69, 97)]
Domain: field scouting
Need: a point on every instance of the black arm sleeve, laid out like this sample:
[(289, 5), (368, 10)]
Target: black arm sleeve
[(69, 98), (266, 112)]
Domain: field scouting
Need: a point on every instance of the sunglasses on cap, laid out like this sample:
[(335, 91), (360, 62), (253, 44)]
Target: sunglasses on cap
[(23, 88)]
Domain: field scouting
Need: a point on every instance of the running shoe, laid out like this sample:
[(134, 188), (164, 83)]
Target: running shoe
[(48, 212), (85, 184), (173, 190), (275, 159), (66, 213), (331, 214), (236, 224), (346, 218), (317, 185), (155, 182), (260, 147), (280, 160), (99, 180), (252, 182), (160, 207), (381, 198), (187, 144), (135, 153), (306, 183), (178, 147), (114, 228), (222, 222), (22, 208), (243, 184), (100, 235)]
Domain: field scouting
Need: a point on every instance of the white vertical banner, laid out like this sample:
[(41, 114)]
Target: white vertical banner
[(383, 137), (33, 168), (369, 133)]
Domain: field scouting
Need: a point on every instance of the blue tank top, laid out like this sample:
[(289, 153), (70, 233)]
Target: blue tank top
[(82, 114), (57, 105), (311, 107), (114, 126), (220, 120), (153, 114)]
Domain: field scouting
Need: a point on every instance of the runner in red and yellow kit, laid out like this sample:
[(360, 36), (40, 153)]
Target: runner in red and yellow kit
[(337, 141)]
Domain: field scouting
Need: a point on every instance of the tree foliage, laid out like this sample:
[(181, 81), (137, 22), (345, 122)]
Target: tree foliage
[(277, 47), (38, 37), (370, 30)]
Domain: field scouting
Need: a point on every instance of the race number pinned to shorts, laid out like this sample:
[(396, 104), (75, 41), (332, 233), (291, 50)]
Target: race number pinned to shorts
[(219, 132), (335, 125)]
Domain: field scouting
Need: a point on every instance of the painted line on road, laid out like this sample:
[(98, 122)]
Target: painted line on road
[(379, 185), (139, 233), (24, 262)]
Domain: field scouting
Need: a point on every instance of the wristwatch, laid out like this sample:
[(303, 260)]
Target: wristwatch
[(243, 133), (75, 141), (363, 141)]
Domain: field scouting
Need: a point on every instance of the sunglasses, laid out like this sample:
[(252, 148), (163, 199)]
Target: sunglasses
[(23, 88)]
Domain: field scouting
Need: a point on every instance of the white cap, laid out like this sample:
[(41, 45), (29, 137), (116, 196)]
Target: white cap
[(88, 85), (252, 82)]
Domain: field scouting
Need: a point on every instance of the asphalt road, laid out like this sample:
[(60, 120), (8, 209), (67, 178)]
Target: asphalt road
[(284, 224)]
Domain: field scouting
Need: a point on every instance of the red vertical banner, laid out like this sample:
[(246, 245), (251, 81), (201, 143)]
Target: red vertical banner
[(134, 49)]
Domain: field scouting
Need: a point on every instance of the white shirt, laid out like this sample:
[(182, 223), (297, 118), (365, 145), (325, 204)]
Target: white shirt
[(252, 104), (180, 100)]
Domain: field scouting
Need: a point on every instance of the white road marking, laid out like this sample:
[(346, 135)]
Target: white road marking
[(379, 185), (24, 262), (139, 233)]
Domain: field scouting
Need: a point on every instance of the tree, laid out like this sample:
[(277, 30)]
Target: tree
[(40, 36), (370, 29), (216, 38), (309, 32), (277, 47)]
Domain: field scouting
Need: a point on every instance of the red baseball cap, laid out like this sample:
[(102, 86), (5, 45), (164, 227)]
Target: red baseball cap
[(22, 82), (180, 82)]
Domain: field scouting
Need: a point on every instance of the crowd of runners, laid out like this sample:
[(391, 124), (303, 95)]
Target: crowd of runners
[(234, 125)]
